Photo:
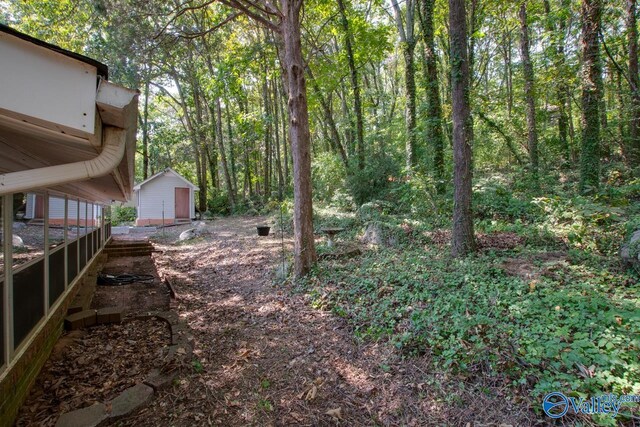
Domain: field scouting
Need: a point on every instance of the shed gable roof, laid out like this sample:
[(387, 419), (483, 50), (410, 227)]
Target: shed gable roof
[(163, 173)]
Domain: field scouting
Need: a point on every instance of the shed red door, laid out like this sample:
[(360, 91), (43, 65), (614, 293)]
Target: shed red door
[(38, 211), (182, 203)]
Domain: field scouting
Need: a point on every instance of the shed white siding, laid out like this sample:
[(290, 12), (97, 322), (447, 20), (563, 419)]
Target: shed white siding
[(56, 208), (155, 198)]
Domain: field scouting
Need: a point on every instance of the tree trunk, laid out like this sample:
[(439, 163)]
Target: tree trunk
[(336, 144), (507, 138), (410, 109), (591, 84), (408, 44), (293, 68), (634, 81), (529, 94), (355, 85), (561, 76), (276, 127), (462, 239), (145, 132), (232, 157), (267, 137), (435, 137), (223, 155)]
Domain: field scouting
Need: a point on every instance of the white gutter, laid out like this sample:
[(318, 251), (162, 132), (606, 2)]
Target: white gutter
[(109, 159)]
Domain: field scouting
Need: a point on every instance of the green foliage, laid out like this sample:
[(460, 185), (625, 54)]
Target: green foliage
[(496, 201), (327, 174), (197, 366), (584, 223), (374, 181), (218, 204), (374, 210), (123, 215), (475, 319)]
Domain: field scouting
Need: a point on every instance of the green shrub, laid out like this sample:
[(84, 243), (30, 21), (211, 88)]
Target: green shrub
[(218, 204), (123, 215), (495, 201), (374, 210), (584, 223), (327, 176), (374, 181)]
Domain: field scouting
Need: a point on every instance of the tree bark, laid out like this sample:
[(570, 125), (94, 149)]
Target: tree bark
[(561, 75), (591, 84), (435, 137), (267, 136), (634, 83), (145, 132), (355, 85), (293, 68), (223, 155), (276, 127), (408, 50), (529, 94), (463, 241), (408, 45)]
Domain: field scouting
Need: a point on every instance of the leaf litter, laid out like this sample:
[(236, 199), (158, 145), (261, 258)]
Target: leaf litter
[(95, 365), (266, 357)]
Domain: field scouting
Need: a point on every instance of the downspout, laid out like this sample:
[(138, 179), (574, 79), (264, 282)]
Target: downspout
[(109, 159)]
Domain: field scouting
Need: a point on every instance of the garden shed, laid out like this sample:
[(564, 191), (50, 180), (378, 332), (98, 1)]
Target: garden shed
[(84, 214), (165, 198)]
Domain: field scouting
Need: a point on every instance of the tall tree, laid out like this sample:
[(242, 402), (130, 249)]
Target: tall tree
[(435, 137), (355, 83), (634, 82), (462, 237), (217, 113), (406, 27), (557, 53), (591, 16), (293, 69), (529, 93), (284, 21), (145, 125)]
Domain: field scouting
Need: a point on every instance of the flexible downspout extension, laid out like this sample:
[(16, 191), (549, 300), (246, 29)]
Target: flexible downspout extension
[(103, 164)]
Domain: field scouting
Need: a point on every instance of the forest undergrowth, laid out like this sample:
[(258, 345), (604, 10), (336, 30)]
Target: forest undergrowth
[(545, 304)]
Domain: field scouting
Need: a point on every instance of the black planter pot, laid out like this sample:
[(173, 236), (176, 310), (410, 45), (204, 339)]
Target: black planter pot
[(263, 230)]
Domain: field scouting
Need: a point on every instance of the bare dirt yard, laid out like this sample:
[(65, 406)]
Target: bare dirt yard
[(264, 356)]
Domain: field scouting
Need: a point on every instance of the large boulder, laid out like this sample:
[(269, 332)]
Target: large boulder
[(630, 251), (17, 241), (382, 234), (188, 234)]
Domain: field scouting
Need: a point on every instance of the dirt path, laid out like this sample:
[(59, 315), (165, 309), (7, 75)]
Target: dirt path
[(263, 356)]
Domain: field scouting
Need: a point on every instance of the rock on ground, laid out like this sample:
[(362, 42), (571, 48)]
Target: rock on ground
[(630, 251), (188, 234), (381, 234)]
